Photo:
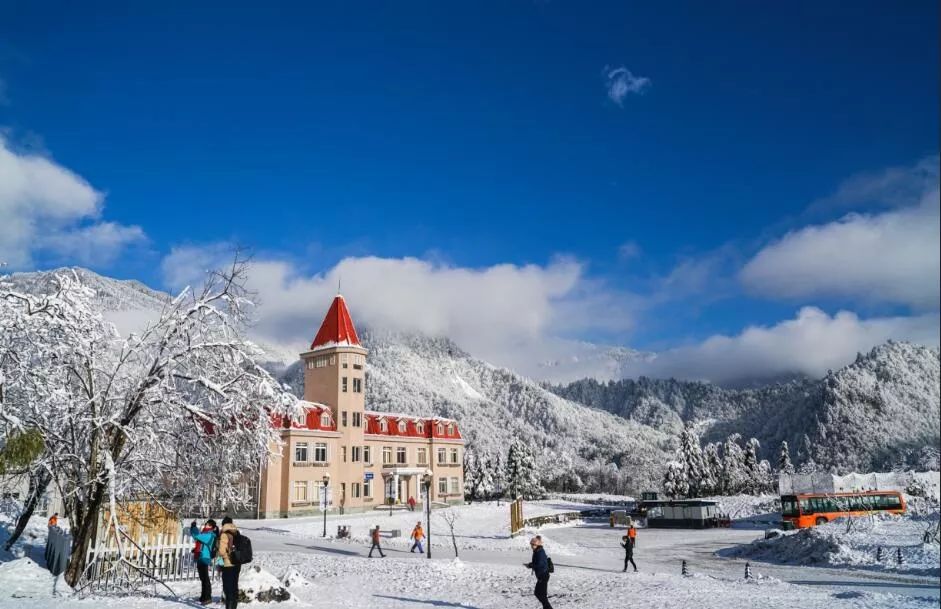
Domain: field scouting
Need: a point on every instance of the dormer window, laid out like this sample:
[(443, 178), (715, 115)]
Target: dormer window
[(402, 426), (450, 430), (325, 419), (421, 427), (383, 426), (440, 429)]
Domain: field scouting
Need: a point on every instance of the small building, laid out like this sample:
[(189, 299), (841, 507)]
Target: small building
[(682, 514)]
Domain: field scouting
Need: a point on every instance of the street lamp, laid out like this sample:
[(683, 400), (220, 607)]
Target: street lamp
[(326, 482), (426, 482)]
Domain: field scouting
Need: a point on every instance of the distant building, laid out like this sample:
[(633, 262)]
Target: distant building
[(371, 457)]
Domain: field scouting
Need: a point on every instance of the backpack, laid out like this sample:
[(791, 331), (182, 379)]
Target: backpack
[(214, 548), (241, 551), (550, 565)]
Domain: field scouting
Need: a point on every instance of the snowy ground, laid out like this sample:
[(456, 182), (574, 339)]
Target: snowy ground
[(489, 574)]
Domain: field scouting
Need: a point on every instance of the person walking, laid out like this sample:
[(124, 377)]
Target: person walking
[(374, 536), (418, 535), (411, 504), (541, 566), (203, 553), (230, 570), (628, 546)]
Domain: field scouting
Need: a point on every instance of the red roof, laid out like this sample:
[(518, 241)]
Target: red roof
[(337, 327)]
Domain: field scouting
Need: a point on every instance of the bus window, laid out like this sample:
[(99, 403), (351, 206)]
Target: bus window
[(805, 506), (789, 506)]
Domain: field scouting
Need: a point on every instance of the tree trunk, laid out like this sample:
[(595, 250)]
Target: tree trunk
[(39, 480), (83, 533)]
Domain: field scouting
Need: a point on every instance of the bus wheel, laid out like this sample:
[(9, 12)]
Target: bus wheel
[(821, 520)]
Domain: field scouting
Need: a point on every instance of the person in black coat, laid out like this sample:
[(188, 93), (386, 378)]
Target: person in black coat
[(628, 544), (540, 566)]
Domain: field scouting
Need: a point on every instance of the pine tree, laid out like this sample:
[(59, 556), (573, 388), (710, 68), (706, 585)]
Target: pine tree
[(713, 469), (808, 465), (784, 460), (485, 471), (521, 473), (753, 482), (499, 477), (471, 476), (692, 459), (674, 480), (733, 474)]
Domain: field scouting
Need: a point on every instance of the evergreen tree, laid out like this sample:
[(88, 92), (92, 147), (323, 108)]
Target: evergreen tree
[(733, 473), (784, 460), (521, 474), (485, 475), (693, 463), (753, 481), (808, 465), (471, 476), (713, 469), (499, 477), (675, 484), (766, 477)]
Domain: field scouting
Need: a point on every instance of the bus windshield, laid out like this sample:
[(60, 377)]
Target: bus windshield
[(789, 506)]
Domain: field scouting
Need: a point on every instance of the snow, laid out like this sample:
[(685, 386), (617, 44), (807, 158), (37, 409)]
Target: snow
[(855, 544), (23, 578)]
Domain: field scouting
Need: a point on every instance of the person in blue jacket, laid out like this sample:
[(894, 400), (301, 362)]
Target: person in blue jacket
[(540, 566), (205, 541)]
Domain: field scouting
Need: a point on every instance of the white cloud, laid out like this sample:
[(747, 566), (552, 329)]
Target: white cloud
[(44, 207), (628, 250), (511, 315), (809, 344), (891, 257), (621, 82)]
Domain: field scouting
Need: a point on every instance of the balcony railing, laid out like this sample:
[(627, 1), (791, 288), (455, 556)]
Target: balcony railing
[(311, 464)]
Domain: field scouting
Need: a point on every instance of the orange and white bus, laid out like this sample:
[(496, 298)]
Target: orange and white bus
[(811, 509)]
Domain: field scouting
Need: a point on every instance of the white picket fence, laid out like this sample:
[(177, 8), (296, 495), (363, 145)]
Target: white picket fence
[(144, 562)]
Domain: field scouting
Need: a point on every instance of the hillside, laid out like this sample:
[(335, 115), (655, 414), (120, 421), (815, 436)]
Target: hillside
[(879, 412)]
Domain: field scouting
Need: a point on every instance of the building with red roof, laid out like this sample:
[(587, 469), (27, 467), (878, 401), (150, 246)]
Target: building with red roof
[(361, 458)]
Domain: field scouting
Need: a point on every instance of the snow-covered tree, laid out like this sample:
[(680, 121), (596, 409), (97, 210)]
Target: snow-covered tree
[(734, 478), (806, 454), (674, 480), (498, 472), (693, 462), (522, 477), (784, 459), (485, 474), (750, 465), (714, 469), (471, 475), (172, 414)]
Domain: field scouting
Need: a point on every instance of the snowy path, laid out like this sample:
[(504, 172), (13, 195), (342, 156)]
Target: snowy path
[(594, 548)]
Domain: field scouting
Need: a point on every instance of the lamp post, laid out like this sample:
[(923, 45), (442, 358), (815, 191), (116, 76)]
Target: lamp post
[(426, 482), (326, 482)]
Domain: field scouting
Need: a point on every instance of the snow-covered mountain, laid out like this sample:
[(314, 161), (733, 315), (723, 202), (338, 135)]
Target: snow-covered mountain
[(881, 411)]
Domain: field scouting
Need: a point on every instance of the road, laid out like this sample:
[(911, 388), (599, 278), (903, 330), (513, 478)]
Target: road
[(595, 547)]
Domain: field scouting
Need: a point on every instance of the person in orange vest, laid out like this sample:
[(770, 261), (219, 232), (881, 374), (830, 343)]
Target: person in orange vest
[(418, 534), (54, 520)]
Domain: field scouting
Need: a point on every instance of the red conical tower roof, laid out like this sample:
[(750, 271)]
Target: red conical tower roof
[(337, 327)]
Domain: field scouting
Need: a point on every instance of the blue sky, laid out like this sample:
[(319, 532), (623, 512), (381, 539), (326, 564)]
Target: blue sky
[(476, 135)]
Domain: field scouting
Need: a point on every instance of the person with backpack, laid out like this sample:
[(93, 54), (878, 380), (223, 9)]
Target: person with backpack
[(204, 551), (234, 550), (374, 536), (542, 566), (418, 535)]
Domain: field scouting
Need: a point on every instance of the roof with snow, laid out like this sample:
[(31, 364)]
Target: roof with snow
[(337, 329)]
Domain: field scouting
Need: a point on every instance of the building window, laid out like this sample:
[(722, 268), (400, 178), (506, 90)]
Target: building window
[(367, 455), (357, 419), (300, 452), (344, 389), (356, 454), (325, 419), (454, 459), (440, 429), (421, 427), (442, 486), (423, 456), (386, 455), (356, 490), (319, 362), (442, 456), (367, 488), (343, 420), (401, 456), (343, 453), (383, 426), (300, 491), (450, 430), (455, 489), (358, 361), (333, 360), (320, 452), (357, 385), (403, 427)]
